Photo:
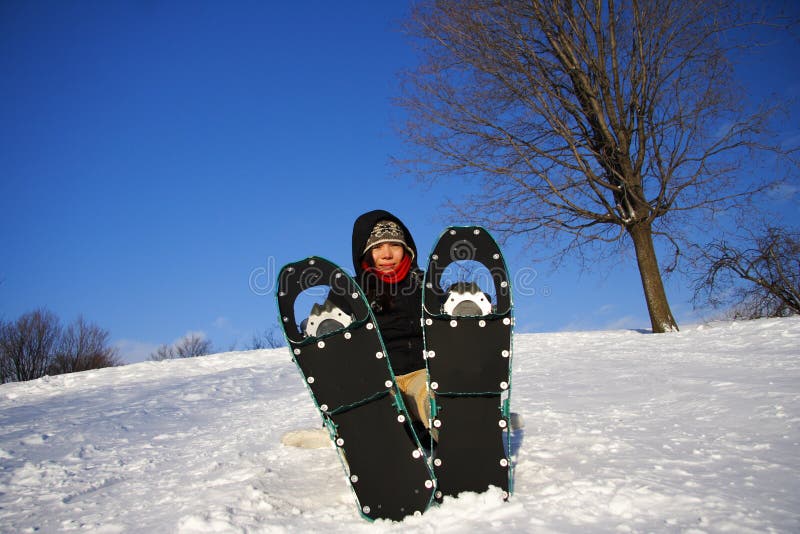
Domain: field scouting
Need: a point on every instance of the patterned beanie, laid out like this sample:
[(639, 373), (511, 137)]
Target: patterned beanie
[(387, 232)]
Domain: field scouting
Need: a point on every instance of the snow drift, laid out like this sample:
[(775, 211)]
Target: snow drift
[(697, 431)]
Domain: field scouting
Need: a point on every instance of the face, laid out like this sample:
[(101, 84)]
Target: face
[(387, 256)]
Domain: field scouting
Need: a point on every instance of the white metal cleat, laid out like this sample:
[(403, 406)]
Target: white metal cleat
[(324, 319), (467, 300)]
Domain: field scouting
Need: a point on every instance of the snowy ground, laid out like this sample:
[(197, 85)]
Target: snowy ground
[(625, 432)]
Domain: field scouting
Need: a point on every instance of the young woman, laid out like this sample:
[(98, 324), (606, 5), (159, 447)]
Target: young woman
[(385, 261)]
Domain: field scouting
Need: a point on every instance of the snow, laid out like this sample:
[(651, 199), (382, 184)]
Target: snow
[(695, 431)]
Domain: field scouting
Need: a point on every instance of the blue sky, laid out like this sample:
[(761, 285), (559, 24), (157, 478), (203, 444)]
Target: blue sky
[(159, 161)]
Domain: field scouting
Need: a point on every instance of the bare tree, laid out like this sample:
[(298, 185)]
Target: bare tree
[(36, 345), (587, 122), (83, 346), (191, 345), (6, 368), (760, 278), (163, 352), (268, 339), (28, 344)]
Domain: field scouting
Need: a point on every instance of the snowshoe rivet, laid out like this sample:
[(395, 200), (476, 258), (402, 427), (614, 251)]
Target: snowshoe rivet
[(365, 509), (434, 385), (354, 295), (476, 231), (354, 479), (496, 256), (431, 354), (282, 294), (437, 423), (428, 322), (503, 284), (434, 257), (379, 355), (506, 321), (454, 323), (429, 484), (338, 275), (505, 354), (388, 383), (429, 285), (503, 385), (296, 352), (321, 344), (324, 407), (481, 323), (452, 232), (290, 269), (503, 423), (310, 379), (285, 319), (437, 462), (438, 494), (504, 462), (340, 442), (401, 418), (416, 454), (370, 326), (348, 335), (312, 262)]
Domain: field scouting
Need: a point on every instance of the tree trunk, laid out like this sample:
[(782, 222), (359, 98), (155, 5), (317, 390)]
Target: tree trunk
[(661, 318)]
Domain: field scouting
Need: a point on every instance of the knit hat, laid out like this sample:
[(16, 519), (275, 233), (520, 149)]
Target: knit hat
[(387, 232)]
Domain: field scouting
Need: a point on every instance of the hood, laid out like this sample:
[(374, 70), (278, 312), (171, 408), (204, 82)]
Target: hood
[(364, 225)]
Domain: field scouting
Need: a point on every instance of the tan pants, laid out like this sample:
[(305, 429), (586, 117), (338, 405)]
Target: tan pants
[(414, 387)]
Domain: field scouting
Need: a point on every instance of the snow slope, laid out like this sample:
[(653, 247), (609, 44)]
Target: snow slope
[(697, 431)]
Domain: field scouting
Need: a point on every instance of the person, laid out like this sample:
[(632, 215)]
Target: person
[(385, 262)]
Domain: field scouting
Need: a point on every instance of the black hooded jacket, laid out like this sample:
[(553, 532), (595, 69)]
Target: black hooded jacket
[(397, 307)]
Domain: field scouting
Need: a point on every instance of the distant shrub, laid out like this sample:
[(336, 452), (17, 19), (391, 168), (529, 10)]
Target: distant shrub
[(189, 346), (268, 339), (36, 345), (83, 346)]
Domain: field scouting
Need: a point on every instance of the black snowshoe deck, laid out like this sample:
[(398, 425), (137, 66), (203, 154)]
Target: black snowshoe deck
[(469, 455), (351, 382), (469, 361)]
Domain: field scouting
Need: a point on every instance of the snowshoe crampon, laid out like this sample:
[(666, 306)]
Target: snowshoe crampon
[(325, 319), (465, 299)]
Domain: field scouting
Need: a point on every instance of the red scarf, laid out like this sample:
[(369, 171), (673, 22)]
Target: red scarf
[(393, 276)]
